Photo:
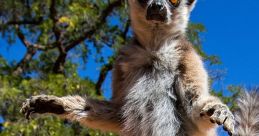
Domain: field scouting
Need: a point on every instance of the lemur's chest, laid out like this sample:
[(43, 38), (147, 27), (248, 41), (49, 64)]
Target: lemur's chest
[(148, 78), (139, 59), (146, 71)]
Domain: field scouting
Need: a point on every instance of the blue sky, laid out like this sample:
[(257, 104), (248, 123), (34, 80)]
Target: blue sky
[(232, 34)]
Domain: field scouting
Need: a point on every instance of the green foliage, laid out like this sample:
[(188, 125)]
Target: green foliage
[(233, 93), (15, 90), (45, 28), (194, 31), (59, 36), (48, 126)]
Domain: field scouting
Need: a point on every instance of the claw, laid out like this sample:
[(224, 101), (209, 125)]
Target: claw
[(29, 113), (41, 104), (220, 114)]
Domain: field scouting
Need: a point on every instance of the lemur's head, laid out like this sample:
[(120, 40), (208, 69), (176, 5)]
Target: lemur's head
[(169, 14)]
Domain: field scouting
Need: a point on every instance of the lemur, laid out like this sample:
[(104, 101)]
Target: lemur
[(160, 85)]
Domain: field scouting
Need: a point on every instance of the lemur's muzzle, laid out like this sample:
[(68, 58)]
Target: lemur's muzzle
[(157, 12)]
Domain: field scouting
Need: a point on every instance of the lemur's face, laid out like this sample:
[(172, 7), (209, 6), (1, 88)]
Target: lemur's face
[(162, 11)]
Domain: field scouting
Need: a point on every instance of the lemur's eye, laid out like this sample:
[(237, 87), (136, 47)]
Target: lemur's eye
[(175, 2)]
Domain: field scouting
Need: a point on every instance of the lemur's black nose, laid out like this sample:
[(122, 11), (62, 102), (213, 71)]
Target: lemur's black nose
[(156, 7), (156, 11)]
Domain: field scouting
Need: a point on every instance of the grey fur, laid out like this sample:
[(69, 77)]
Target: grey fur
[(247, 114), (92, 113), (160, 86)]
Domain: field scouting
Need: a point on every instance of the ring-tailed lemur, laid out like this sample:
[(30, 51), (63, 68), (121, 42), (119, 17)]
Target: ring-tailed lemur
[(160, 86)]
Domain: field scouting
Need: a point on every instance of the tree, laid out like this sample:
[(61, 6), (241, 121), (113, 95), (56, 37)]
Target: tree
[(55, 33)]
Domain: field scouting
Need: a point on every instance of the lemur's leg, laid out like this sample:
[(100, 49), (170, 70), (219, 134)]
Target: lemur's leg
[(92, 113), (202, 108)]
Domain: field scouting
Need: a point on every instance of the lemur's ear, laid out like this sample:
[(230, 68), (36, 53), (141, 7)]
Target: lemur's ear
[(191, 4)]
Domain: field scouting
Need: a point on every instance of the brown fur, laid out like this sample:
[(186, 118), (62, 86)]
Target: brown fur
[(160, 86)]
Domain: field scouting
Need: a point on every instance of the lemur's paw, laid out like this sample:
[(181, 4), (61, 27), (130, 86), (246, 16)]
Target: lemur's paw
[(42, 104), (220, 114)]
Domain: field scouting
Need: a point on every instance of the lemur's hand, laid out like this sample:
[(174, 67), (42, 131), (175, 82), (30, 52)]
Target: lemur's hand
[(42, 104), (220, 114)]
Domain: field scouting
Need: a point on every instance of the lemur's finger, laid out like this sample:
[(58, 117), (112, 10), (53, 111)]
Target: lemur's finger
[(229, 124), (220, 116), (26, 109), (29, 113)]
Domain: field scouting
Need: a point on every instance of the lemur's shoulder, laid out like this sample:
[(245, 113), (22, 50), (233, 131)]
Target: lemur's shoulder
[(191, 67), (132, 57), (188, 52), (185, 45)]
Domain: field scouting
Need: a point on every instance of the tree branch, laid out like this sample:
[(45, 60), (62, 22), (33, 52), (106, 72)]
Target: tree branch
[(60, 64), (28, 44), (53, 17), (102, 76), (31, 51), (108, 67), (26, 22), (61, 60), (104, 14), (28, 56), (21, 66), (126, 30)]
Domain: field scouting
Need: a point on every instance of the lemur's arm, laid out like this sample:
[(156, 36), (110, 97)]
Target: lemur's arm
[(202, 108), (92, 113)]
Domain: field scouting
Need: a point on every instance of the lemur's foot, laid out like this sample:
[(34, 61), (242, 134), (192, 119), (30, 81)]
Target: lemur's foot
[(220, 114), (42, 104)]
